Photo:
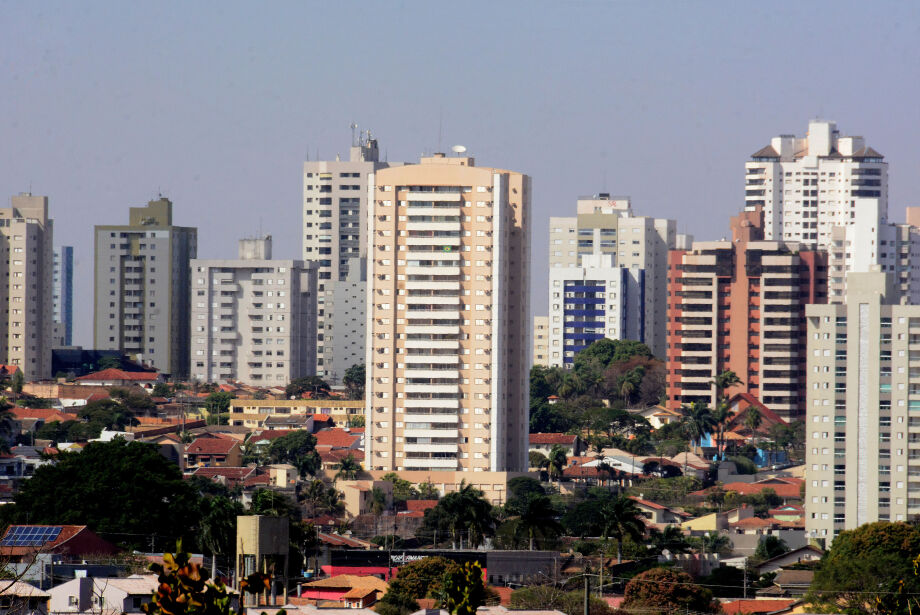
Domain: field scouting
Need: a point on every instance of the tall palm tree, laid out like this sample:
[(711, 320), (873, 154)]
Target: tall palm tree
[(315, 493), (538, 520), (348, 468), (333, 500), (626, 390), (725, 381), (557, 461), (720, 415), (699, 421), (620, 519)]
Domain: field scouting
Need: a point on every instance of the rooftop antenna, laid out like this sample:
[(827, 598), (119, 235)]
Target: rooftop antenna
[(354, 134), (440, 124)]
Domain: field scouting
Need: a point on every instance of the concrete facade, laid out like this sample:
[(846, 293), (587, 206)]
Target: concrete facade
[(335, 225), (607, 225), (863, 420), (448, 317), (62, 296), (142, 288), (253, 319), (26, 238), (739, 305), (346, 322), (540, 341)]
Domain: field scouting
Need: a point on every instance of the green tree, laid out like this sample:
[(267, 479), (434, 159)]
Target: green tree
[(133, 399), (378, 504), (125, 490), (462, 513), (536, 521), (297, 448), (109, 362), (403, 490), (667, 590), (414, 581), (17, 382), (770, 547), (315, 493), (699, 421), (868, 570), (161, 389), (218, 403), (608, 516), (753, 418), (268, 502), (550, 598), (311, 384), (671, 538), (107, 414), (217, 528), (463, 591), (348, 468), (556, 462), (538, 460), (354, 381)]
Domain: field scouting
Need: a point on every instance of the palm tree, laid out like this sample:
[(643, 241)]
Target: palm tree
[(465, 510), (620, 519), (626, 390), (332, 501), (538, 520), (699, 421), (753, 419), (348, 468), (557, 462), (724, 381), (714, 542), (720, 415), (671, 538), (315, 493)]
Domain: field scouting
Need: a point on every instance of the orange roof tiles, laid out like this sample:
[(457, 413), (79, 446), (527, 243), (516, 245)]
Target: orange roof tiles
[(336, 438), (747, 607), (552, 438), (117, 374), (206, 446)]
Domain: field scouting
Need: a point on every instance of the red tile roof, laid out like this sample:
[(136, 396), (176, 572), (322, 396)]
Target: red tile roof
[(270, 434), (336, 438), (117, 374), (323, 418), (338, 454), (231, 474), (420, 504), (752, 523), (211, 446), (748, 607), (784, 487), (552, 438), (42, 414), (647, 503)]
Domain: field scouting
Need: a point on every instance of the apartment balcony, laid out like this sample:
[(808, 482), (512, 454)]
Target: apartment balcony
[(431, 433), (433, 300), (441, 344), (431, 448), (443, 464), (433, 329), (432, 211), (433, 403), (433, 270), (432, 388), (443, 197), (446, 359), (433, 241), (433, 226)]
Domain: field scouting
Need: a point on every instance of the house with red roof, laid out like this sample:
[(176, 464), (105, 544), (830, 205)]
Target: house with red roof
[(544, 442), (337, 438), (757, 606), (226, 475), (659, 515), (31, 419), (22, 543), (209, 451), (786, 487), (113, 377)]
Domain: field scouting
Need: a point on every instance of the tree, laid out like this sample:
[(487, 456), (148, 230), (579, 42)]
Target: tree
[(268, 502), (314, 493), (403, 490), (538, 460), (107, 414), (671, 538), (354, 381), (217, 528), (556, 462), (297, 448), (699, 421), (549, 598), (161, 389), (184, 588), (348, 468), (667, 590), (218, 403), (770, 547), (462, 591), (378, 504), (17, 382), (125, 490), (108, 362), (536, 521), (868, 570), (414, 581), (608, 516), (315, 385), (753, 418), (714, 542), (462, 512)]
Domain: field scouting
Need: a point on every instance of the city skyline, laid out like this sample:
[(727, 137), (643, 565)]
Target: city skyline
[(601, 105)]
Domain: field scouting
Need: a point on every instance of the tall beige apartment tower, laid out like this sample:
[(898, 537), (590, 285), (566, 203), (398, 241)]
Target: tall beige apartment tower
[(26, 237), (335, 231), (863, 417), (448, 319), (142, 288)]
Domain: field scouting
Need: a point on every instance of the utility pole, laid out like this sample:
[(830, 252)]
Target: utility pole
[(745, 578), (586, 595)]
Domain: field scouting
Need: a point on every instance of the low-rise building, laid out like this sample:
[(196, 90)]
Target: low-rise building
[(544, 442), (212, 451), (18, 598), (112, 377), (102, 595), (254, 412)]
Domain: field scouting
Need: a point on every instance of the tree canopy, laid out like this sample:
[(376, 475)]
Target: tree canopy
[(126, 491), (668, 590), (869, 570), (297, 448)]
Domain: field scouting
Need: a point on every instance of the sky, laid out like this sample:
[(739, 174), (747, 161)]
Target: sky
[(105, 105)]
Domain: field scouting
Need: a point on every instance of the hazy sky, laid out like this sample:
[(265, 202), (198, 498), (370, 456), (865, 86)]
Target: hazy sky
[(217, 104)]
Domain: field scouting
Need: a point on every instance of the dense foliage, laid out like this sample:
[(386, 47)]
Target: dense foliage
[(869, 570), (547, 597), (668, 590)]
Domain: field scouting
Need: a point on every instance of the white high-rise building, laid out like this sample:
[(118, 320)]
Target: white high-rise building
[(607, 225), (593, 301), (448, 322), (335, 226), (253, 319), (863, 409), (807, 186)]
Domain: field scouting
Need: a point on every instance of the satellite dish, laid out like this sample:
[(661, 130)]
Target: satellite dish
[(458, 149)]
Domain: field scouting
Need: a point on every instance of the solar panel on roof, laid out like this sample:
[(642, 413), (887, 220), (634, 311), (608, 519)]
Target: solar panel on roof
[(30, 535)]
